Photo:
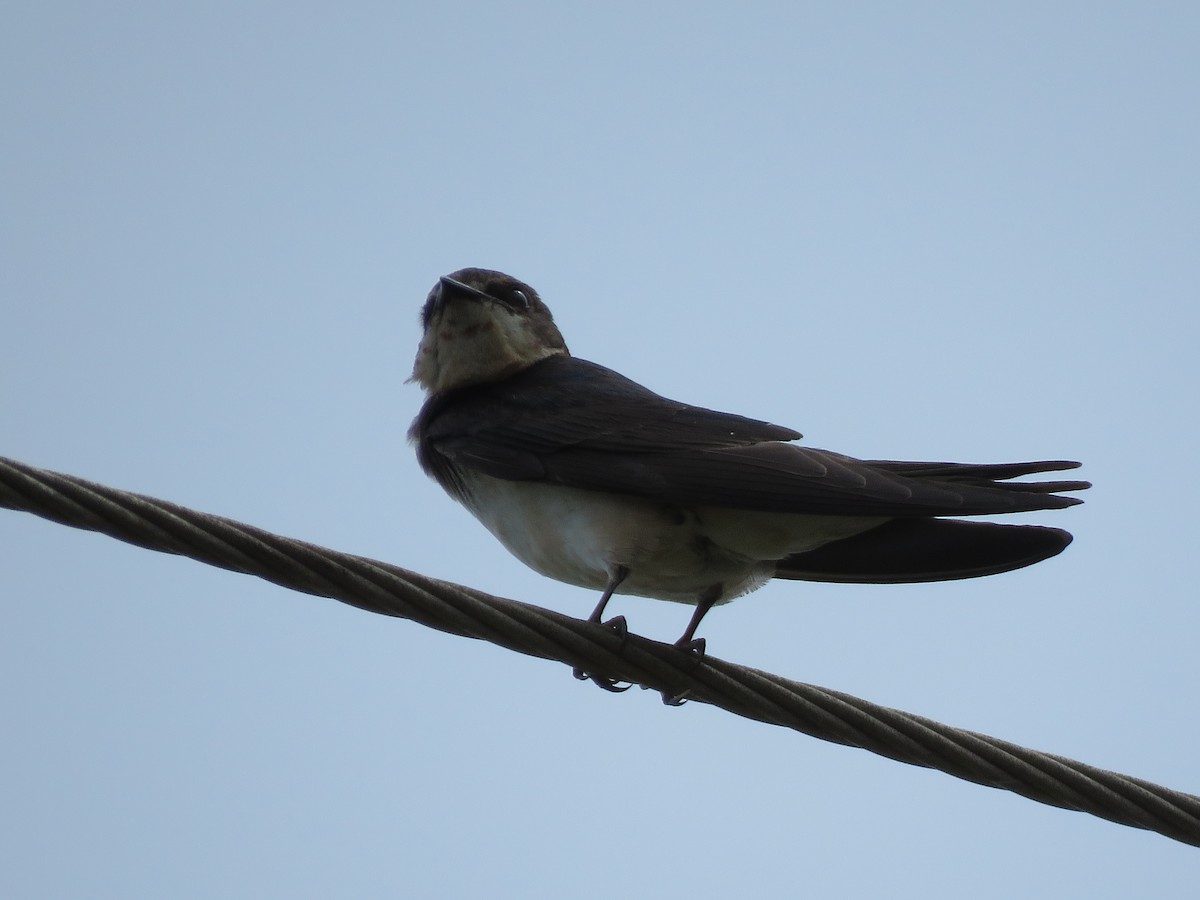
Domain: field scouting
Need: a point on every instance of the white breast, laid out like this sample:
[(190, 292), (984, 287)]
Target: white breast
[(581, 537)]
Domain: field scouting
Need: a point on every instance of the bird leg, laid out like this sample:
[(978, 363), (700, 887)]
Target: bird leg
[(706, 601), (619, 574), (688, 642), (617, 624)]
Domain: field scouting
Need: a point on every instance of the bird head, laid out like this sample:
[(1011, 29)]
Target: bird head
[(480, 325)]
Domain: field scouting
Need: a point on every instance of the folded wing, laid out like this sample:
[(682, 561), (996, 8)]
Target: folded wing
[(571, 422)]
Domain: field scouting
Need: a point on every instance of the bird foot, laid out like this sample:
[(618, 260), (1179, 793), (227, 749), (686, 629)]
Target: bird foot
[(695, 648), (612, 685), (621, 627)]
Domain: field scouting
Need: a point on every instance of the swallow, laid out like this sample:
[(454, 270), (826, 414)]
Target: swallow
[(591, 479)]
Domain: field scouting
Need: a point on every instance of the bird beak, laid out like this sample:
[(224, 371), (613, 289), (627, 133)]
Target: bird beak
[(448, 288)]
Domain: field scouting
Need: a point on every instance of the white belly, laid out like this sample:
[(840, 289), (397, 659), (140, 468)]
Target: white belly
[(582, 537)]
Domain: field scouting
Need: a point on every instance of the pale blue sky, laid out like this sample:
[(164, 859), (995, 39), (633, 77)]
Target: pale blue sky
[(930, 230)]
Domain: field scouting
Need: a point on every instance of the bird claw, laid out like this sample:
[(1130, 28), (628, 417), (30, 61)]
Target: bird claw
[(694, 648), (609, 684), (621, 627)]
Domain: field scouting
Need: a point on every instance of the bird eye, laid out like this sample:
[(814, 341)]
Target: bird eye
[(521, 300)]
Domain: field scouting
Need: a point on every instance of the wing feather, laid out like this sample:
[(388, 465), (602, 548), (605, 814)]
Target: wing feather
[(571, 422)]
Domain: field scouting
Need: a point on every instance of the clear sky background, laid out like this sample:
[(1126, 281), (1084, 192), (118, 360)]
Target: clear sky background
[(929, 230)]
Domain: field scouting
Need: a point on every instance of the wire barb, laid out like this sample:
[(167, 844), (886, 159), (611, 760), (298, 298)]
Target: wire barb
[(599, 650)]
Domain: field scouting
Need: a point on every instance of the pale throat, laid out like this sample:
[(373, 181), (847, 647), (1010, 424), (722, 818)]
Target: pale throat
[(465, 345)]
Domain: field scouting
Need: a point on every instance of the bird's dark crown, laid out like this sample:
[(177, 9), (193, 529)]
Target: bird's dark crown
[(504, 289)]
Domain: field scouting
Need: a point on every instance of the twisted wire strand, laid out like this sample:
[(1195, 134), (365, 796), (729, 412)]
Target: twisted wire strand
[(390, 590)]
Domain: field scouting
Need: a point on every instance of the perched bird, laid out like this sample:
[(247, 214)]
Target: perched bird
[(589, 478)]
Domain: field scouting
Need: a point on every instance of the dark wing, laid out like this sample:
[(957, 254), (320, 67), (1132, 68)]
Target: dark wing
[(571, 422)]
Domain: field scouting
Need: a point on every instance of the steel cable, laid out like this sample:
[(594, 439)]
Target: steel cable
[(390, 590)]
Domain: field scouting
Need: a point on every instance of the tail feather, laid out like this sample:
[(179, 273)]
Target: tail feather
[(1043, 487), (995, 476), (990, 471), (921, 550)]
